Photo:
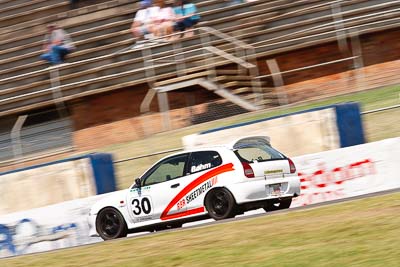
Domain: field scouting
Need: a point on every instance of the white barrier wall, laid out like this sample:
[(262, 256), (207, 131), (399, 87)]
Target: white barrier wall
[(296, 134), (348, 172), (55, 182), (299, 133), (58, 183), (47, 228), (325, 176)]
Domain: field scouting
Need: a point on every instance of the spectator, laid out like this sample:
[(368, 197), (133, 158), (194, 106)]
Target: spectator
[(186, 16), (166, 19), (57, 44), (143, 23)]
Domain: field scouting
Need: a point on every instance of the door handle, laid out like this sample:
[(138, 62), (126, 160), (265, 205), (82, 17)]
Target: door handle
[(175, 185)]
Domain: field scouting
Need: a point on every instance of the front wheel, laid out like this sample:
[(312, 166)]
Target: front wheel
[(282, 204), (110, 224), (220, 204)]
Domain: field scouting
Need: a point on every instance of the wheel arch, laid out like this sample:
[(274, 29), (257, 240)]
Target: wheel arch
[(216, 188)]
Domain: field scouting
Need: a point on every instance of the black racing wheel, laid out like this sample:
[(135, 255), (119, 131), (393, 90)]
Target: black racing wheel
[(220, 204), (110, 224)]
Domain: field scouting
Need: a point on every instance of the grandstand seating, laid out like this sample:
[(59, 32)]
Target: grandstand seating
[(101, 32)]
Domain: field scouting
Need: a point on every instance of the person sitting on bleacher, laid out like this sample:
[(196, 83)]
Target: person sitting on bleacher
[(165, 19), (57, 44), (143, 23), (186, 16)]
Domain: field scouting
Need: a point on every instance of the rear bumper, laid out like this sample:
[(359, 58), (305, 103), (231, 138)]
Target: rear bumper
[(260, 189)]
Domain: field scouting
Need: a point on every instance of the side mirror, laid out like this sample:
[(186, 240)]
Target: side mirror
[(138, 183)]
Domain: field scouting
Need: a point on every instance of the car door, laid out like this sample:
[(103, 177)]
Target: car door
[(160, 187), (199, 166)]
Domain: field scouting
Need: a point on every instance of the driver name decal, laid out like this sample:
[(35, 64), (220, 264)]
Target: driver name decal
[(200, 167)]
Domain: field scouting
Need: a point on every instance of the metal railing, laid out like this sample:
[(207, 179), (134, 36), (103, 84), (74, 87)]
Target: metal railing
[(32, 136), (242, 50), (179, 58)]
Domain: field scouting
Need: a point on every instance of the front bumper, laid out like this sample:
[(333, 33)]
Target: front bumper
[(92, 225)]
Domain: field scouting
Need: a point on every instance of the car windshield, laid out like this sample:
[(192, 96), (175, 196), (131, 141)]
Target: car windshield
[(257, 151)]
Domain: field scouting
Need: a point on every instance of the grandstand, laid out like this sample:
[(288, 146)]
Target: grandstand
[(243, 57)]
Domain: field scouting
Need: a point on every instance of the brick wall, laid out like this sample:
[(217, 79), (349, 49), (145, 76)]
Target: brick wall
[(380, 55), (115, 117)]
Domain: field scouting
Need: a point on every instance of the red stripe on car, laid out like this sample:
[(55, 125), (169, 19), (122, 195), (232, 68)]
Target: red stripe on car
[(208, 175), (184, 213)]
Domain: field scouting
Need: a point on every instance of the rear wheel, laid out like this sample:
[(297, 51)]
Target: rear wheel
[(283, 204), (220, 204), (110, 224)]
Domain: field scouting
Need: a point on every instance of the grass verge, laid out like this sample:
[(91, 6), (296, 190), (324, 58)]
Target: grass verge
[(357, 233)]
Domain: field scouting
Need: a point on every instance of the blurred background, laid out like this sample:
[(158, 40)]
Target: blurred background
[(243, 61)]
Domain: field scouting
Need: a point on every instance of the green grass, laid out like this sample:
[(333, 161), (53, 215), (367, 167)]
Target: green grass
[(378, 126), (358, 233)]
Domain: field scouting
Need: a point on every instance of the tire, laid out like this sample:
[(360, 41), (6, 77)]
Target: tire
[(220, 204), (283, 204), (110, 224)]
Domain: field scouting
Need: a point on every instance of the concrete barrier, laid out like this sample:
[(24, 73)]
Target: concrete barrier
[(55, 182), (47, 228), (348, 172), (294, 134)]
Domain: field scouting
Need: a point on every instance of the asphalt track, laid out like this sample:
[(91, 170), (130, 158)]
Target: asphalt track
[(260, 212), (247, 215)]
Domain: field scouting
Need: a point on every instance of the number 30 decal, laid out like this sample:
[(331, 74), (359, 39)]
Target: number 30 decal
[(141, 205)]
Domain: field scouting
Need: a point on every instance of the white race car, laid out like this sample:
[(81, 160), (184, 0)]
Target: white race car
[(218, 182)]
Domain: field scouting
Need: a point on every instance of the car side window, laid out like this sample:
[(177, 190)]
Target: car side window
[(168, 169), (204, 160)]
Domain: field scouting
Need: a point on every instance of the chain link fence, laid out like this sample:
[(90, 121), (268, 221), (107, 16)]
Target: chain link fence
[(33, 134)]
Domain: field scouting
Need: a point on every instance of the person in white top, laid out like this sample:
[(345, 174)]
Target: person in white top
[(166, 17), (145, 19)]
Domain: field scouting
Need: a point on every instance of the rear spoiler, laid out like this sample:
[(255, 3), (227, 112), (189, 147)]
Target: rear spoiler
[(242, 142)]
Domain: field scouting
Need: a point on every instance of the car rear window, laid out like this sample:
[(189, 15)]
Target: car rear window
[(257, 152)]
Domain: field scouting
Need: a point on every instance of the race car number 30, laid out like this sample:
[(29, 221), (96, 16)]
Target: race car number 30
[(141, 206)]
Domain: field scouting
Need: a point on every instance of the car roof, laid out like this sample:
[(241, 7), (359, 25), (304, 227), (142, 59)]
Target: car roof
[(232, 143), (229, 146)]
